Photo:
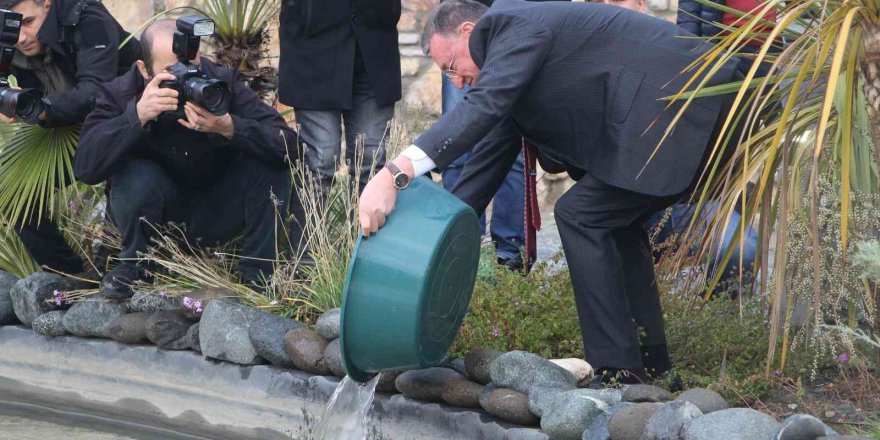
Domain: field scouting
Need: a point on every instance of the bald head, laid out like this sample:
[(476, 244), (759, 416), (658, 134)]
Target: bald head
[(156, 42)]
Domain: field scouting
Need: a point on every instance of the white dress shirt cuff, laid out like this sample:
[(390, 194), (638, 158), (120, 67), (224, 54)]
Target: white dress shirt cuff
[(422, 164)]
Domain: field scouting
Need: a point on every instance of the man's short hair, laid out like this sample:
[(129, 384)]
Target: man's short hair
[(9, 4), (448, 16), (149, 34)]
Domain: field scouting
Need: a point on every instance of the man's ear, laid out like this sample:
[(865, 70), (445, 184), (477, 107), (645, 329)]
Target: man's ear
[(47, 5), (466, 28), (142, 68)]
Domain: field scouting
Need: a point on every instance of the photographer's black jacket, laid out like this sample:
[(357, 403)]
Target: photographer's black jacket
[(112, 134), (84, 39)]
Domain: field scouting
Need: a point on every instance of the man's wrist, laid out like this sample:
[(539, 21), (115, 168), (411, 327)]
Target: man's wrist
[(229, 131)]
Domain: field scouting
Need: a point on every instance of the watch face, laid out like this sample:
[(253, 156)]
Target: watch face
[(401, 180)]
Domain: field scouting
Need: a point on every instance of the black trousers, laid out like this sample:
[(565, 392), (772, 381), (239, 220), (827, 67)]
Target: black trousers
[(250, 199), (612, 272), (47, 246)]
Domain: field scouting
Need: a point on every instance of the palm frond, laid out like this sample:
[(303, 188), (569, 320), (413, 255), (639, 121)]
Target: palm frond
[(34, 162), (14, 258)]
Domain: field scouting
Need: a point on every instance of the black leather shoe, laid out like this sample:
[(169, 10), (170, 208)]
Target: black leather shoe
[(117, 283)]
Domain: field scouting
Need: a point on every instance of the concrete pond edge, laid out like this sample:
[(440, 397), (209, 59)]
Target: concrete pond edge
[(182, 392)]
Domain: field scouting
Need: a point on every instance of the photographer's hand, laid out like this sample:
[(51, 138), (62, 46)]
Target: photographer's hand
[(199, 119), (6, 119), (156, 100)]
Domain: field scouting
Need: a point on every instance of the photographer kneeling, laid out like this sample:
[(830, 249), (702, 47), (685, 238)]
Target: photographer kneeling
[(64, 50), (215, 172)]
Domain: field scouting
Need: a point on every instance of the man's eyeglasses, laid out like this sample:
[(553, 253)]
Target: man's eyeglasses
[(450, 67)]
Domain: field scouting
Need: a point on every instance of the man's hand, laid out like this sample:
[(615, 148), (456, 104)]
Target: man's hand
[(6, 119), (199, 119), (380, 196), (156, 101)]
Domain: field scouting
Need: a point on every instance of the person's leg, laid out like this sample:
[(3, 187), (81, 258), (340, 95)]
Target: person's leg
[(321, 134), (45, 243), (588, 217), (366, 129), (643, 296), (508, 218), (250, 200), (141, 194)]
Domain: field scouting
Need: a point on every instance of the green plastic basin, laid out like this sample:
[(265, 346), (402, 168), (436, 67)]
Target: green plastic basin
[(409, 285)]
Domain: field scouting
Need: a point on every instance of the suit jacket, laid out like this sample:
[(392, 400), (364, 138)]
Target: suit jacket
[(318, 43), (84, 39), (584, 82)]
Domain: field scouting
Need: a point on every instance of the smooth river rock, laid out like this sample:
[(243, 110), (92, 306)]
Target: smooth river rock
[(167, 329), (477, 363), (646, 393), (732, 424), (461, 393), (89, 318), (629, 423), (511, 406), (598, 430), (426, 384), (223, 332), (7, 311), (305, 348), (333, 358), (669, 420), (327, 324), (521, 371), (49, 324), (706, 400), (129, 329), (33, 295), (570, 415), (267, 337), (801, 427)]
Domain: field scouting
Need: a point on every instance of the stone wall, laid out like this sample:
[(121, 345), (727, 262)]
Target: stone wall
[(421, 78)]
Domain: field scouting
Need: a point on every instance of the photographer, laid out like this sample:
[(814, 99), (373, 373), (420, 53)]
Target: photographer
[(65, 49), (218, 175)]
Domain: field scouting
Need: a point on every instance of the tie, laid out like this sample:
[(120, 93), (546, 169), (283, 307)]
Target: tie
[(531, 211)]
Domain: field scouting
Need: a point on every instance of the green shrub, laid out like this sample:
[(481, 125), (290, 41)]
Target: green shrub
[(534, 313)]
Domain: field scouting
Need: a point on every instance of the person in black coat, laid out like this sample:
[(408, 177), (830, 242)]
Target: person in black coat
[(584, 83), (66, 49), (340, 64), (220, 176)]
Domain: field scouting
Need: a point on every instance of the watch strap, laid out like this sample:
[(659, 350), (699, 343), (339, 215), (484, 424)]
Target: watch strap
[(395, 173)]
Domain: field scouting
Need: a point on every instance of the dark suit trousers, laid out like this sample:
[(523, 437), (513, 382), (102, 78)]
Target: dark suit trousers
[(238, 204), (47, 246), (612, 272)]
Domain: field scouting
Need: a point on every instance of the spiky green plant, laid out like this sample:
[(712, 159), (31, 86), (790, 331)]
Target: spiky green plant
[(240, 36), (815, 113)]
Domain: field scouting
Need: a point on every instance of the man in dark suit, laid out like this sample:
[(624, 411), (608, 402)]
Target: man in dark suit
[(584, 83), (340, 63)]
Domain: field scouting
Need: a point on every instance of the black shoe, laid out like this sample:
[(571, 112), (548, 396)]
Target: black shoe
[(514, 264), (117, 283), (619, 376)]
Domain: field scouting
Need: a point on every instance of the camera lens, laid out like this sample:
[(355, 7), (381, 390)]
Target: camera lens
[(210, 94), (8, 102), (28, 107)]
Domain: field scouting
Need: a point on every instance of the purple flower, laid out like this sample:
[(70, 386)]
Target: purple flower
[(778, 372), (495, 333), (843, 358), (163, 293), (192, 304), (74, 206), (59, 296)]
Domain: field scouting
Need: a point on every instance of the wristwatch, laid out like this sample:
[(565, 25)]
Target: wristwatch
[(401, 179)]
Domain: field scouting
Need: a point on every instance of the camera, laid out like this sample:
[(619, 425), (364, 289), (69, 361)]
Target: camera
[(191, 83), (26, 104)]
